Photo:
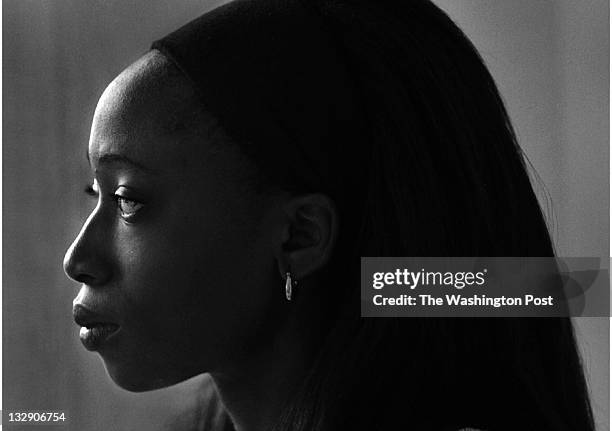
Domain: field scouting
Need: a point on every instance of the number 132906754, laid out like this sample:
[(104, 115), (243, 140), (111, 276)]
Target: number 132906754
[(37, 417)]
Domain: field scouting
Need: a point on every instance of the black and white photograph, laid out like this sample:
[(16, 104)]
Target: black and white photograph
[(306, 215)]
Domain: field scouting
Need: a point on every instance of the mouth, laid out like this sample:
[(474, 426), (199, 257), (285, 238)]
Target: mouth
[(96, 329)]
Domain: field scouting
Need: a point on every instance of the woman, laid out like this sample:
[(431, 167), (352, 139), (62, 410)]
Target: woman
[(241, 169)]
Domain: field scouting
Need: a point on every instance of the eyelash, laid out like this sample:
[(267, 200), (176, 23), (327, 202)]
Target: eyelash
[(90, 191)]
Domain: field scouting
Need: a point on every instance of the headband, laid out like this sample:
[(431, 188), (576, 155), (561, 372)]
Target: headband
[(273, 76)]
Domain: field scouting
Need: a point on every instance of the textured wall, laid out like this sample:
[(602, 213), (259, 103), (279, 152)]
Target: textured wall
[(550, 60)]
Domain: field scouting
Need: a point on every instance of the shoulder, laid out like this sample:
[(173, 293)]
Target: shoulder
[(202, 411)]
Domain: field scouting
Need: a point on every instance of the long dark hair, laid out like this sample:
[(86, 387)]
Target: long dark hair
[(444, 177)]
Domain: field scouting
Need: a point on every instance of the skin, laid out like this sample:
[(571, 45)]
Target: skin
[(187, 259)]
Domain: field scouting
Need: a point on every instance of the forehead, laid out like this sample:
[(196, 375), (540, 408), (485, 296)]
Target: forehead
[(150, 114)]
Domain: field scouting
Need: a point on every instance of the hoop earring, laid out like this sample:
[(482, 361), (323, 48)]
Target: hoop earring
[(289, 283)]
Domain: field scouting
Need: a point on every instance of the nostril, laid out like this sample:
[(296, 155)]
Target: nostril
[(87, 259), (69, 262), (71, 268), (84, 268), (86, 274), (85, 279)]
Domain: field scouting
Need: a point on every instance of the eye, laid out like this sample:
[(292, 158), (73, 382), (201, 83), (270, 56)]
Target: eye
[(128, 207), (92, 189)]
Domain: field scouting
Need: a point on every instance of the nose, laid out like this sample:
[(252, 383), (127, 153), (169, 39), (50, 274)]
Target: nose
[(86, 260)]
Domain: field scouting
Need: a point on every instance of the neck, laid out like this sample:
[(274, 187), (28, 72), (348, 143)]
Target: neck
[(255, 391), (255, 397)]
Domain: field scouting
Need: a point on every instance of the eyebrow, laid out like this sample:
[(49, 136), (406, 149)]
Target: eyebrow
[(106, 159)]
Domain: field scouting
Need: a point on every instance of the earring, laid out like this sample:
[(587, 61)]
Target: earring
[(289, 286)]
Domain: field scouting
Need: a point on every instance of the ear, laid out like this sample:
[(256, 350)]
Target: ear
[(309, 234)]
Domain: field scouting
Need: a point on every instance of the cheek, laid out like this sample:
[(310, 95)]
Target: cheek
[(198, 289)]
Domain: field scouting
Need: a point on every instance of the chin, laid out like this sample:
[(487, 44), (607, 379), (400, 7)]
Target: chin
[(137, 379)]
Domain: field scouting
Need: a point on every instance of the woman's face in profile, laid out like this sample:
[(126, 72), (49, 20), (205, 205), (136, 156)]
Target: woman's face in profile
[(177, 271)]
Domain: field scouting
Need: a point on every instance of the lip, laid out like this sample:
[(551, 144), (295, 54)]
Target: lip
[(96, 328)]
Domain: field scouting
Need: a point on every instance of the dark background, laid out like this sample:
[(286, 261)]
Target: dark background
[(551, 62)]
